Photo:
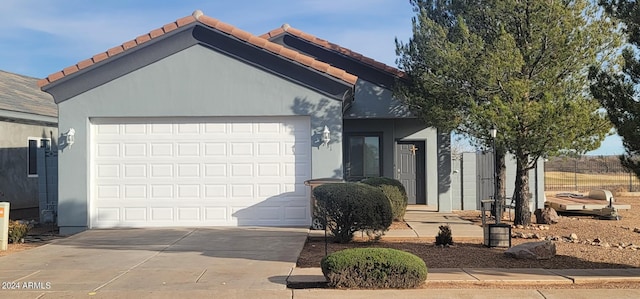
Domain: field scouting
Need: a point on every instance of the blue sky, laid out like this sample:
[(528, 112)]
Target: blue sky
[(40, 37)]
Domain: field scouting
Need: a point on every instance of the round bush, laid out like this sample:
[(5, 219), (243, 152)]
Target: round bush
[(373, 268), (350, 207), (395, 193)]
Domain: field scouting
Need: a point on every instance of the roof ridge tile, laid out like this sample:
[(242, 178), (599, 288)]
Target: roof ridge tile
[(198, 16), (286, 28), (117, 50)]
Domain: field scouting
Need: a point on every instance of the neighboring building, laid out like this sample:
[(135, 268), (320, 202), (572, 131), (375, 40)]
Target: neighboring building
[(28, 126), (199, 123)]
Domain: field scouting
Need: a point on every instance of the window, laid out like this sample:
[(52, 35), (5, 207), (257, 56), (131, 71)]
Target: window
[(363, 156), (32, 154)]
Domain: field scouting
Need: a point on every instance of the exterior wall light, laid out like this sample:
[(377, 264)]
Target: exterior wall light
[(326, 136), (69, 138)]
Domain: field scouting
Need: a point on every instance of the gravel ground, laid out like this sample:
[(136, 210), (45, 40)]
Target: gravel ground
[(618, 246)]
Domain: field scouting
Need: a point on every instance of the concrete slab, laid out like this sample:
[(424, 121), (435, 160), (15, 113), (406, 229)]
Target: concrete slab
[(417, 293), (71, 280), (302, 278), (12, 275), (427, 223), (169, 294), (520, 276), (130, 260), (449, 275), (591, 293), (400, 233), (599, 275)]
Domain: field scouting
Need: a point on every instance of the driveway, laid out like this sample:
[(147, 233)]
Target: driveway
[(101, 263)]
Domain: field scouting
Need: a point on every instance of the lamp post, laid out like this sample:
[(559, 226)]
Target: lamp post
[(496, 203)]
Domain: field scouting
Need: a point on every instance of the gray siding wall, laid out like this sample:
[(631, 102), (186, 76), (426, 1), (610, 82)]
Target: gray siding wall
[(196, 81), (469, 178), (456, 183), (15, 186)]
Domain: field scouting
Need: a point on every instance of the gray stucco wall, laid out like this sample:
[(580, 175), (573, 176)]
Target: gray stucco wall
[(15, 186), (372, 101), (196, 81), (437, 156)]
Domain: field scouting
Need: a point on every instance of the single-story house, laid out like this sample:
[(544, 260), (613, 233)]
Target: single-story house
[(199, 123), (28, 122)]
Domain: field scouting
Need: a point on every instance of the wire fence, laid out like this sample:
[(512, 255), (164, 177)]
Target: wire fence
[(587, 173)]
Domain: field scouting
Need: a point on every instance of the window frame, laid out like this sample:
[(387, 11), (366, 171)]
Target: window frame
[(32, 158), (347, 154)]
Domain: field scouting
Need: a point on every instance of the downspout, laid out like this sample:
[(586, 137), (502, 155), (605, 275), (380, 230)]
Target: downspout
[(347, 100)]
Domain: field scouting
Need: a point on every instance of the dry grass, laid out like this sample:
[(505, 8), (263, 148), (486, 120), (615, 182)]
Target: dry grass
[(557, 180)]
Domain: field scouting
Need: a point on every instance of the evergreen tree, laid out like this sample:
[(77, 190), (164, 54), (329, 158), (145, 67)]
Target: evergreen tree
[(615, 87), (520, 66)]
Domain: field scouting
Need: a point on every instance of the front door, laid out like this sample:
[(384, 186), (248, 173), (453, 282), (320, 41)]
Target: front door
[(410, 169)]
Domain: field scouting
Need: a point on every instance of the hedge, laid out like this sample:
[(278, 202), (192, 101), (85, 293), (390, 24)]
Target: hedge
[(373, 268), (350, 207)]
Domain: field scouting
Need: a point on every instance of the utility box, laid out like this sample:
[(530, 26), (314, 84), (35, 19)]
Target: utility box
[(317, 221), (4, 225)]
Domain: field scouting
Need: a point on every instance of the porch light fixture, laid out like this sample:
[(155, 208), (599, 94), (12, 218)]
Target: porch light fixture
[(326, 136), (69, 137)]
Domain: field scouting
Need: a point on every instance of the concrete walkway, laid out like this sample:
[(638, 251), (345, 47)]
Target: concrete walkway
[(312, 277), (425, 223)]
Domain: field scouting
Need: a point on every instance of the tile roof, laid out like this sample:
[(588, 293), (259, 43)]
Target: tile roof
[(198, 16), (286, 28), (19, 94)]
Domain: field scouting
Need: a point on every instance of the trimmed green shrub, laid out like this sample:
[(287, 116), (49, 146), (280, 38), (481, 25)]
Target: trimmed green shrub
[(351, 207), (444, 236), (394, 191), (373, 268), (17, 231)]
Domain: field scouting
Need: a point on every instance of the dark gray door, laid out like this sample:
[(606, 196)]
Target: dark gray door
[(410, 169)]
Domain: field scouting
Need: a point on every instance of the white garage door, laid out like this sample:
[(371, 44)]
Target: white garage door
[(200, 172)]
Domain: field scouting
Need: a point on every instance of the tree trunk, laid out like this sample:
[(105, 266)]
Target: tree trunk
[(501, 184), (521, 193)]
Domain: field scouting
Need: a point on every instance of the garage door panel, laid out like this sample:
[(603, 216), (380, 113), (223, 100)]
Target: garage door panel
[(161, 214), (108, 214), (215, 170), (188, 214), (215, 191), (162, 191), (188, 171), (135, 214), (106, 171), (295, 213), (133, 171), (215, 149), (200, 171), (135, 191), (188, 128)]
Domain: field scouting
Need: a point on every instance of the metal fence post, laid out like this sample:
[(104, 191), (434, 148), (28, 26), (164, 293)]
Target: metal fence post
[(575, 174)]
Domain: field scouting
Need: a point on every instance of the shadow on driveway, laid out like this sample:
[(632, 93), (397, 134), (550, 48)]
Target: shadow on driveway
[(161, 259)]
